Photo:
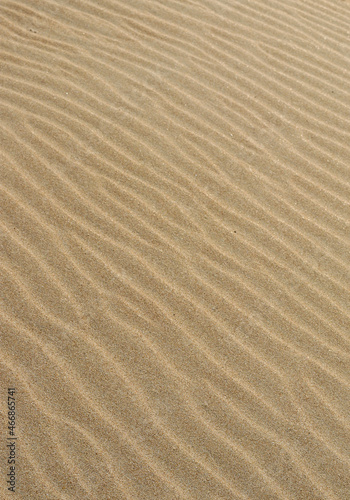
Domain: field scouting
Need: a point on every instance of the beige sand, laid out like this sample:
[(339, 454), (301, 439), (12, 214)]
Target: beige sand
[(175, 248)]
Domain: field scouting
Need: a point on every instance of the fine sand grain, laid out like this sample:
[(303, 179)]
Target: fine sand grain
[(175, 270)]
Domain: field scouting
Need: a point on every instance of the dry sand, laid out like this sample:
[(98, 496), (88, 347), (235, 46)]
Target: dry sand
[(175, 249)]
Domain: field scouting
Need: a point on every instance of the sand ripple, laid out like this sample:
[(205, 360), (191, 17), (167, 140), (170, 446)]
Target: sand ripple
[(175, 263)]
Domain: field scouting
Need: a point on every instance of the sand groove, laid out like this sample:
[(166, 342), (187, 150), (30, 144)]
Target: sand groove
[(175, 248)]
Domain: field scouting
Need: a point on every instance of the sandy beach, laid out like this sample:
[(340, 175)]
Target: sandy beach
[(175, 265)]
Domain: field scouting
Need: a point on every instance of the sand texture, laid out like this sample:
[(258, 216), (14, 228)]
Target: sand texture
[(175, 241)]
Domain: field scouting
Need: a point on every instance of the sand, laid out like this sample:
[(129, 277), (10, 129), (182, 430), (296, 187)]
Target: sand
[(175, 249)]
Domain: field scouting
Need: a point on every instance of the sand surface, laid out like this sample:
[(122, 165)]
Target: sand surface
[(175, 249)]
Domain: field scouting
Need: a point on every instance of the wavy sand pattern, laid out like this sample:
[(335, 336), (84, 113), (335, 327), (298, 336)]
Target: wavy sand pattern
[(175, 248)]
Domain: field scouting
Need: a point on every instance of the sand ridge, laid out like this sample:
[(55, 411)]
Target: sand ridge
[(175, 248)]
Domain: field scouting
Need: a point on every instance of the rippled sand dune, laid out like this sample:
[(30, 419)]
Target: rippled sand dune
[(175, 241)]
